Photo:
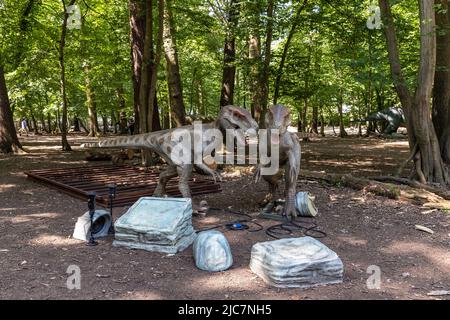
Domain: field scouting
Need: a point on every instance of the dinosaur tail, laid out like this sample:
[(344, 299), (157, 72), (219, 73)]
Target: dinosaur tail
[(90, 145), (136, 141)]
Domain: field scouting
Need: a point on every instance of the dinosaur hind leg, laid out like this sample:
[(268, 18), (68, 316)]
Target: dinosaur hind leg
[(185, 172), (164, 177), (272, 180), (290, 179)]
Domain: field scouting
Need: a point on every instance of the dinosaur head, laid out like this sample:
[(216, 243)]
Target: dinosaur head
[(233, 117), (278, 118)]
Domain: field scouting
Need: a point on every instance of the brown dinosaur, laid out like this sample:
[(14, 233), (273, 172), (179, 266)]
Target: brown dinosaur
[(163, 143), (278, 118)]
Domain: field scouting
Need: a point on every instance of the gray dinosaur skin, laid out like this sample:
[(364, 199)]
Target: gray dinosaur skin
[(163, 142), (278, 117), (394, 116)]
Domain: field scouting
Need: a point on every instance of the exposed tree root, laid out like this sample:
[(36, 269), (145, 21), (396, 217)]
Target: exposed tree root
[(349, 181), (389, 187)]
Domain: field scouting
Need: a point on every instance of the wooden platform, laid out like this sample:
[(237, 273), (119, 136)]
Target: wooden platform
[(132, 183)]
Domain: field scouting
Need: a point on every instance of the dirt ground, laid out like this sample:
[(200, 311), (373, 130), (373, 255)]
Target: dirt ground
[(36, 223)]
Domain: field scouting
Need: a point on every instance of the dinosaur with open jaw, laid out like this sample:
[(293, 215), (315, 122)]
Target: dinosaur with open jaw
[(278, 118), (163, 143)]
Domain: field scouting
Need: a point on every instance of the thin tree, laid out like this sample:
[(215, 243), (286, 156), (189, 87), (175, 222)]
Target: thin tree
[(229, 54), (62, 44), (173, 66)]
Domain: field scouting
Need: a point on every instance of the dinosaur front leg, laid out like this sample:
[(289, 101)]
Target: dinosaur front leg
[(185, 172), (164, 177), (290, 177)]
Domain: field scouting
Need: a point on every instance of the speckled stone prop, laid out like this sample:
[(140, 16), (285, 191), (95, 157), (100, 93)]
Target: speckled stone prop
[(212, 251), (156, 224), (296, 263)]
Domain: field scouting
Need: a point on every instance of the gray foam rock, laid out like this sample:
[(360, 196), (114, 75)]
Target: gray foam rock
[(296, 263), (212, 251), (156, 224)]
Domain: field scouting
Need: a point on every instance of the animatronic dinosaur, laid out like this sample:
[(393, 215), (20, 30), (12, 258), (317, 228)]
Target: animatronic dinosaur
[(165, 141), (278, 117), (394, 116)]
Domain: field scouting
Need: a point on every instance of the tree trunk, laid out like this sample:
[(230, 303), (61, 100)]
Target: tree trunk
[(9, 142), (42, 120), (156, 125), (33, 120), (229, 55), (315, 119), (303, 115), (342, 132), (322, 123), (105, 124), (441, 90), (423, 142), (173, 67), (146, 75), (154, 120), (137, 35), (62, 44), (49, 122), (90, 99), (264, 78), (254, 56), (76, 124)]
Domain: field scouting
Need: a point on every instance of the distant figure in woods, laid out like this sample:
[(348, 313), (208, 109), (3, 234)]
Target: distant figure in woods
[(123, 124), (23, 127), (131, 125)]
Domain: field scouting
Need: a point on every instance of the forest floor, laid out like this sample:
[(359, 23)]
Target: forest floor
[(36, 223)]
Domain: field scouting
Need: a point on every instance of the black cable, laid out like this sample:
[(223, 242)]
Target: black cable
[(232, 226), (278, 231), (287, 228)]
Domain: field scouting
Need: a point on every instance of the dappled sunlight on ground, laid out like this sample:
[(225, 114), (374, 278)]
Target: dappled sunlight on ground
[(37, 222), (437, 256), (141, 295), (4, 187), (26, 218), (53, 240)]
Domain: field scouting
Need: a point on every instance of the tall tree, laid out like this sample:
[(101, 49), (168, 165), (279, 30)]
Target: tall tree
[(264, 78), (423, 141), (8, 136), (91, 104), (146, 70), (173, 66), (137, 35), (62, 44), (441, 90), (229, 54)]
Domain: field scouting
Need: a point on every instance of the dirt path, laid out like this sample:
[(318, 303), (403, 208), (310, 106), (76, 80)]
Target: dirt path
[(36, 224)]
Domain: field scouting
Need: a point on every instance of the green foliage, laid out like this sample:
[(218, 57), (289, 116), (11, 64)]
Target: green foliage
[(332, 55)]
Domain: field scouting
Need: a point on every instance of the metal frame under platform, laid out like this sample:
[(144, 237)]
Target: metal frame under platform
[(132, 183)]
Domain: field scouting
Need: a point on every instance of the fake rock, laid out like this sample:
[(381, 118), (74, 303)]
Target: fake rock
[(296, 262), (212, 251), (156, 224)]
